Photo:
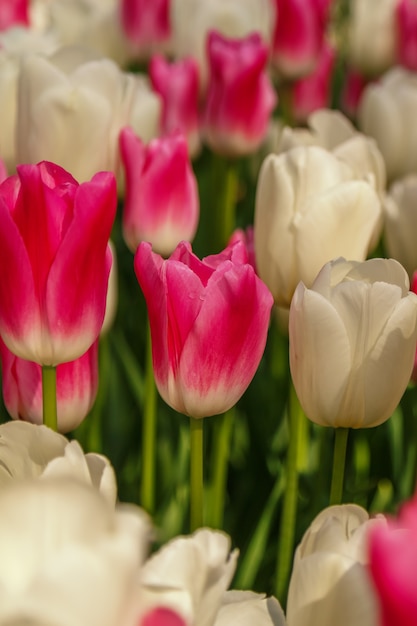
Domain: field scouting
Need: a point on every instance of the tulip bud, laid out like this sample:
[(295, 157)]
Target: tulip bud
[(310, 208), (54, 239), (177, 84), (329, 582), (353, 339), (314, 90), (161, 204), (393, 555), (146, 24), (240, 96), (77, 383), (209, 322), (406, 22)]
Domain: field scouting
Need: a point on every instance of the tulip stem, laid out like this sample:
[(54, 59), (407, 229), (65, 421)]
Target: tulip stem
[(147, 488), (220, 460), (289, 510), (196, 473), (225, 181), (50, 414), (339, 460)]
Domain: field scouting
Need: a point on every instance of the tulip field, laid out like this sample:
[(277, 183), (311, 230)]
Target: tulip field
[(208, 313)]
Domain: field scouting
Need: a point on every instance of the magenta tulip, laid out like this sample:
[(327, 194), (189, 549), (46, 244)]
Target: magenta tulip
[(146, 23), (209, 321), (77, 383), (299, 35), (14, 13), (406, 22), (240, 97), (178, 85), (161, 204), (314, 91), (393, 558), (54, 243)]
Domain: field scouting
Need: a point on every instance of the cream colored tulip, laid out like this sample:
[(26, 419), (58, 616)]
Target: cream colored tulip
[(401, 222), (68, 558), (191, 575), (372, 35), (310, 208), (329, 584), (353, 338), (33, 451), (72, 107), (387, 113)]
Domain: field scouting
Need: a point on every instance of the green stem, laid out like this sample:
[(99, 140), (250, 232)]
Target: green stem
[(289, 510), (50, 415), (221, 446), (225, 181), (339, 459), (196, 473), (147, 488)]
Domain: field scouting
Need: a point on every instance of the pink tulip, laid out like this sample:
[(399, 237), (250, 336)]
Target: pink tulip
[(54, 243), (314, 91), (161, 204), (393, 558), (240, 96), (13, 13), (178, 85), (209, 323), (77, 383), (406, 18), (352, 91), (247, 238), (146, 23), (299, 35), (162, 616)]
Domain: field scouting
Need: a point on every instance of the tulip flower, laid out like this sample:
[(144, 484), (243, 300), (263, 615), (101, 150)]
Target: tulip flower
[(314, 90), (392, 556), (371, 56), (146, 23), (77, 383), (161, 203), (240, 97), (406, 22), (54, 241), (401, 222), (68, 558), (29, 451), (202, 567), (209, 321), (192, 20), (14, 13), (353, 339), (310, 207), (177, 83), (386, 113), (330, 582), (299, 35)]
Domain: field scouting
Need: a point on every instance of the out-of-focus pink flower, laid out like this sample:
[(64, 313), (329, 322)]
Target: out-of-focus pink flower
[(352, 91), (13, 13), (240, 96), (406, 21), (393, 557), (247, 238), (178, 85), (162, 616), (161, 204), (413, 288), (314, 91), (146, 23), (77, 383), (54, 242), (299, 35), (209, 323)]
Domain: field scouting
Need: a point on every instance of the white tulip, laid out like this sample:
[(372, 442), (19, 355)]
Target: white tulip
[(33, 451), (329, 583), (401, 222), (372, 35), (68, 558), (387, 112), (353, 339), (310, 208)]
